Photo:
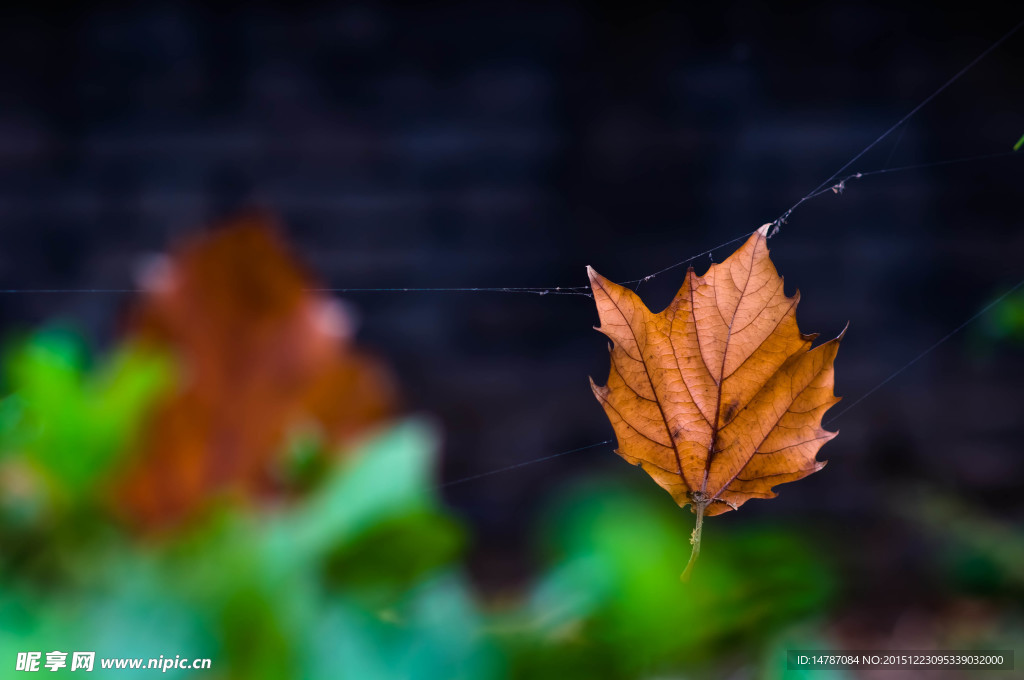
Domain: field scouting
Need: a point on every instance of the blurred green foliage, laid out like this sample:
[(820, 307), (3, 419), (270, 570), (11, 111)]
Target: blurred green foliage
[(979, 554), (612, 602), (357, 574), (273, 594), (69, 421), (1006, 321)]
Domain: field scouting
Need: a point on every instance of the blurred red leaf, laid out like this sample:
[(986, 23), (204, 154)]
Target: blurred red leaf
[(259, 353)]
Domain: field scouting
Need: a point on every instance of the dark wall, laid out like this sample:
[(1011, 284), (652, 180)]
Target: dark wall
[(505, 144)]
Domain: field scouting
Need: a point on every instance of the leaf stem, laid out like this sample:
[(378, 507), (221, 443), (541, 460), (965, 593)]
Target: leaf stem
[(694, 541)]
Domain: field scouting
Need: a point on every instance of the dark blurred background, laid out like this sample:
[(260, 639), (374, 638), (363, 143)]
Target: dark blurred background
[(507, 144)]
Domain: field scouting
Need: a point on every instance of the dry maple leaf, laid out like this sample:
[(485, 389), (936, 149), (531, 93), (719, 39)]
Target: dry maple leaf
[(260, 352), (719, 397)]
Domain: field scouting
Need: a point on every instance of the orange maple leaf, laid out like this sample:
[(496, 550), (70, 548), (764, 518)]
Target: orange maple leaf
[(719, 397)]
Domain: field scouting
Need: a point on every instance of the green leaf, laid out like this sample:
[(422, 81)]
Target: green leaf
[(613, 594), (388, 476), (69, 421)]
